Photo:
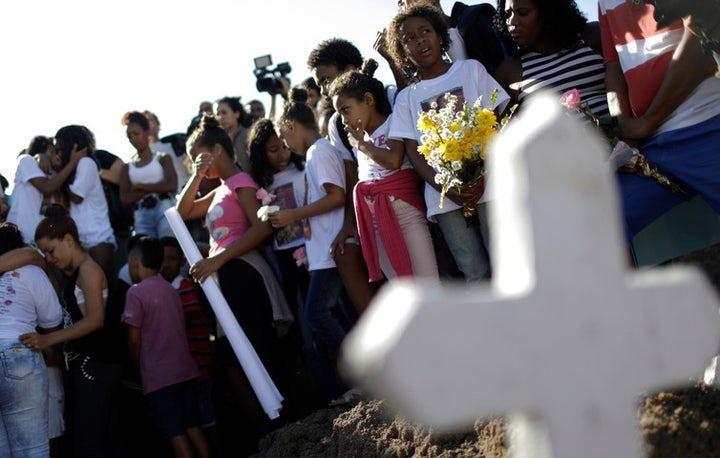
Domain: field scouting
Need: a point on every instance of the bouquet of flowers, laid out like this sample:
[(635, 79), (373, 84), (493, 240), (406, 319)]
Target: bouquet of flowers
[(454, 141), (623, 157)]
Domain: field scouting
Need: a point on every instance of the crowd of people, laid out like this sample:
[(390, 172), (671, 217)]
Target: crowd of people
[(302, 216)]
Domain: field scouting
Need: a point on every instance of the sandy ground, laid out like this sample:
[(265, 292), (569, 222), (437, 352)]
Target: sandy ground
[(681, 423)]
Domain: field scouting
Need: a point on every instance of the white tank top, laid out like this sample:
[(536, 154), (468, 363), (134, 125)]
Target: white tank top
[(152, 172)]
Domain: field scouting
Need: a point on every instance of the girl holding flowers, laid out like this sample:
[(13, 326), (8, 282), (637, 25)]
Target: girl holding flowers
[(390, 211), (281, 174), (419, 38)]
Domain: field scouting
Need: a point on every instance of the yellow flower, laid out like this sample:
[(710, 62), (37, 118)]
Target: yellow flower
[(425, 123), (486, 117)]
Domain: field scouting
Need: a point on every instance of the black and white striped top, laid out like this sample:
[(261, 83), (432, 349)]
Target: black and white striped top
[(578, 68)]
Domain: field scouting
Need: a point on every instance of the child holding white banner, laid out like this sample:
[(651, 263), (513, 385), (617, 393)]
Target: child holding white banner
[(247, 281)]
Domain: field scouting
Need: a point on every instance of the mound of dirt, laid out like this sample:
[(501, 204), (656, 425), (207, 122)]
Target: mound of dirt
[(674, 424), (682, 423)]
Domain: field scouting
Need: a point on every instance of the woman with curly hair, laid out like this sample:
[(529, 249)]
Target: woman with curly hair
[(552, 52), (148, 181)]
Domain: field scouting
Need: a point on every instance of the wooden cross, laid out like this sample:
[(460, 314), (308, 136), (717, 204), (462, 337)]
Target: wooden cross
[(563, 332)]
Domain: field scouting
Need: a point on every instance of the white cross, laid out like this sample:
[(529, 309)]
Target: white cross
[(563, 332)]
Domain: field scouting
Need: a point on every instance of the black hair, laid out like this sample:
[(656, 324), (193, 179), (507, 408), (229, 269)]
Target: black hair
[(309, 84), (170, 242), (335, 51), (39, 144), (57, 224), (137, 117), (132, 240), (296, 109), (434, 16), (209, 133), (10, 237), (68, 136), (149, 251), (561, 20), (73, 136), (236, 107), (356, 84), (258, 137)]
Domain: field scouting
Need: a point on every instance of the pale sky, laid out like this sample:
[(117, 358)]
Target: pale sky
[(88, 62)]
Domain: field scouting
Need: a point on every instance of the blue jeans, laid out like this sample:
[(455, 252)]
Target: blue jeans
[(23, 401), (324, 293), (152, 221), (469, 245)]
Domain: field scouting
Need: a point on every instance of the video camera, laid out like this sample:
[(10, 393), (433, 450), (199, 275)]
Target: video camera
[(268, 78)]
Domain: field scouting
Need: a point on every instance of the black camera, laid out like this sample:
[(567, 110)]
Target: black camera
[(268, 78)]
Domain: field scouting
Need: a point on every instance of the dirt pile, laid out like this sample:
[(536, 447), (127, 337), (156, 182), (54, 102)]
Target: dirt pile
[(683, 423), (674, 424)]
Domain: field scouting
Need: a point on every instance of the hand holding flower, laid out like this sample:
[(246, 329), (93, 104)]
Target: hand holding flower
[(281, 218), (265, 211)]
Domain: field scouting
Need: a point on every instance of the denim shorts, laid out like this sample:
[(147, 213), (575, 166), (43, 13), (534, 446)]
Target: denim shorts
[(23, 401)]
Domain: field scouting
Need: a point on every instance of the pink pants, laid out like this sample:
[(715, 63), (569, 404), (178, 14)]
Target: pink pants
[(415, 230)]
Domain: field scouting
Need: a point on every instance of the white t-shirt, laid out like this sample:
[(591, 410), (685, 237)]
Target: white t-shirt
[(26, 199), (468, 80), (324, 165), (368, 169), (27, 300), (289, 189), (90, 215), (336, 139)]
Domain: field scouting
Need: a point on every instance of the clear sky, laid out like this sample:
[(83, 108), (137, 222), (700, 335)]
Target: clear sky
[(88, 62)]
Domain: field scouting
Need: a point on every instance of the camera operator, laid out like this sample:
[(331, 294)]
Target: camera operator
[(274, 81)]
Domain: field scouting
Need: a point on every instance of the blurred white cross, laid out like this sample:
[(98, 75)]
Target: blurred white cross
[(563, 333)]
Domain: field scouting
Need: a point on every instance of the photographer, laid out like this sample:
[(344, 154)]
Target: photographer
[(274, 81)]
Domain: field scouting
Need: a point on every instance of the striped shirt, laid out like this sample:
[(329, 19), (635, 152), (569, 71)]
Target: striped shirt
[(630, 36), (578, 68), (197, 325)]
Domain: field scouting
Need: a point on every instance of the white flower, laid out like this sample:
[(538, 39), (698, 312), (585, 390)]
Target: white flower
[(264, 212)]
